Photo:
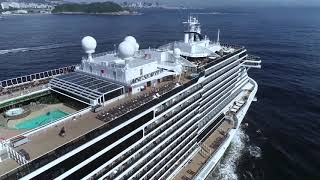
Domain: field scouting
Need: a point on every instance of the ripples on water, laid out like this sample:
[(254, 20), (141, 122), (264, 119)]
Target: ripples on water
[(38, 48), (288, 40)]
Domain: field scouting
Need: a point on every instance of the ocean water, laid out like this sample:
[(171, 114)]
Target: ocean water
[(282, 140)]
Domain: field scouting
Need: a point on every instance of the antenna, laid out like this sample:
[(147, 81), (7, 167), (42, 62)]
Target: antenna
[(218, 37)]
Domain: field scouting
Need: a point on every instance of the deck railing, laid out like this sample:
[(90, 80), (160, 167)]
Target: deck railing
[(36, 76)]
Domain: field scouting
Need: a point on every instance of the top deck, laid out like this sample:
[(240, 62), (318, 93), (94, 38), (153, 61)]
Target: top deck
[(47, 139)]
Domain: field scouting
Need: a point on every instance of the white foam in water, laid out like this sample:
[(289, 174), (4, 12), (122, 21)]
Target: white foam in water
[(254, 151), (226, 169), (52, 46), (208, 13)]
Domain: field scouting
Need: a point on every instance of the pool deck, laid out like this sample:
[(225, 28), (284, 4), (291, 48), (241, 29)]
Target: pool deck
[(48, 140), (48, 108)]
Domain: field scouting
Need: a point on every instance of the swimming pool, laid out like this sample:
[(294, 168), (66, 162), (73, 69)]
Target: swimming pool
[(41, 119)]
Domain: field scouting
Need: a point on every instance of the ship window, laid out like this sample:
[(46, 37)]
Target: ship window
[(4, 84), (141, 72), (105, 157), (37, 76), (242, 54), (14, 81), (113, 94), (114, 75), (41, 75)]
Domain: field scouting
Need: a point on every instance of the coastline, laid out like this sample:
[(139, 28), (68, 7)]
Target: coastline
[(120, 13)]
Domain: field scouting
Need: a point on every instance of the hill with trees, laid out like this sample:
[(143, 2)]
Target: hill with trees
[(91, 8)]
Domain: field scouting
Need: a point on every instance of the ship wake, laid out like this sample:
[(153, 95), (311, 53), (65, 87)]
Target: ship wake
[(226, 169), (38, 48)]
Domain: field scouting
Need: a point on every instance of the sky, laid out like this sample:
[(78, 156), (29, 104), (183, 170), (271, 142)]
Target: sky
[(219, 3)]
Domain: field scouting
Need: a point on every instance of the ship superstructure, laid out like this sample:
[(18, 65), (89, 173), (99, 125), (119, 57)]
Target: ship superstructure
[(150, 113)]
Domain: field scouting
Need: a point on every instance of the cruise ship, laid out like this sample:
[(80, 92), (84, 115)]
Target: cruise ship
[(158, 113)]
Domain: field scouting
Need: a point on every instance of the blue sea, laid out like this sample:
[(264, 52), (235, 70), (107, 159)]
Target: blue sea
[(282, 140)]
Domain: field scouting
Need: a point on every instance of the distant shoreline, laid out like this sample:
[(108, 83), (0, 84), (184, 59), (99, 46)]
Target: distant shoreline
[(120, 13)]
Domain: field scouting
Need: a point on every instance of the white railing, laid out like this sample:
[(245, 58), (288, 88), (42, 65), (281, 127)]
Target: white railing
[(15, 155)]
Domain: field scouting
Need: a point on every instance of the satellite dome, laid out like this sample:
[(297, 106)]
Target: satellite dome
[(130, 39), (126, 49), (89, 44), (177, 52), (137, 46)]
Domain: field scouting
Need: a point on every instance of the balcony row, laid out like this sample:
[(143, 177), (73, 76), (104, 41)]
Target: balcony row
[(224, 77), (218, 66), (189, 104), (171, 157), (143, 166), (219, 60), (218, 89), (140, 152), (164, 156), (165, 106), (177, 161), (221, 96), (217, 95), (219, 106), (223, 70)]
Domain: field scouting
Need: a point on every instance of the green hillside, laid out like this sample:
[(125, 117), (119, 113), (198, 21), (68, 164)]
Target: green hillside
[(99, 7)]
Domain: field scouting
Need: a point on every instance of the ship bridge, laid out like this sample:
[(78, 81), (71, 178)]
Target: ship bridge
[(87, 88)]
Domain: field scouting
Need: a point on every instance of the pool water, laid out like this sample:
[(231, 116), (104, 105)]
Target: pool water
[(41, 119)]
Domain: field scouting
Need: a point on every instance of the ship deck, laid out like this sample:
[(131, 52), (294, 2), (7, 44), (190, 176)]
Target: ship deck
[(208, 147), (20, 92), (7, 165), (76, 126)]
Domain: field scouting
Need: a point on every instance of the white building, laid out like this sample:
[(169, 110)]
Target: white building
[(16, 5)]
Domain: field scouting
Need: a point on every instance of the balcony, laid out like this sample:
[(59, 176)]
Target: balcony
[(164, 145), (157, 140)]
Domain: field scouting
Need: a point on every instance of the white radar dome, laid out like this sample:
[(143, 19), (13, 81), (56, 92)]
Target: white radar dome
[(177, 52), (137, 46), (130, 39), (126, 49), (89, 44)]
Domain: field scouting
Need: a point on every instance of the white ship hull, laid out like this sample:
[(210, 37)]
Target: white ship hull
[(214, 160), (162, 115)]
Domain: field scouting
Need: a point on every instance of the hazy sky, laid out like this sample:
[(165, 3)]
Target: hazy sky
[(216, 3)]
